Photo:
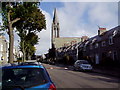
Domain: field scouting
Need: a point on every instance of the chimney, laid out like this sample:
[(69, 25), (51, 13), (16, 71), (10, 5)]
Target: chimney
[(101, 31), (83, 38)]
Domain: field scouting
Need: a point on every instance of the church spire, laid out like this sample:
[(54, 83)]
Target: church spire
[(55, 26), (55, 19)]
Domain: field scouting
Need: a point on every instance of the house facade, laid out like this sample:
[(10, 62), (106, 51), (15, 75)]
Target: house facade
[(3, 49), (104, 47), (100, 49), (63, 46)]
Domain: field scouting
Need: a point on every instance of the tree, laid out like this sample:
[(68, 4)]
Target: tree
[(23, 16), (27, 45), (7, 12), (33, 22)]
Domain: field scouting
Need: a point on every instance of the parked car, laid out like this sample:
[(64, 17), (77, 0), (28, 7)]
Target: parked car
[(25, 76), (82, 65)]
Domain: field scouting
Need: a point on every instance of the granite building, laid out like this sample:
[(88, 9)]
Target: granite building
[(3, 49), (104, 47)]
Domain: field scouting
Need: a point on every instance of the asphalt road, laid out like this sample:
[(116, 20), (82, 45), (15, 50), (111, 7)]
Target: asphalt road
[(64, 78)]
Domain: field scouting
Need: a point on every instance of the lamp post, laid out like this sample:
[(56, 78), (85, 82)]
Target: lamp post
[(77, 50)]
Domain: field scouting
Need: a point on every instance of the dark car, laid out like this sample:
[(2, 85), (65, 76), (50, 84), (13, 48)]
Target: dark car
[(25, 76)]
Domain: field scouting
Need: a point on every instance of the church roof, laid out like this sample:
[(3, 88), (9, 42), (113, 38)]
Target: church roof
[(55, 18)]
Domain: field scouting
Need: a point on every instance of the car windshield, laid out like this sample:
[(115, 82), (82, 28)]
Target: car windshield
[(25, 77), (84, 62)]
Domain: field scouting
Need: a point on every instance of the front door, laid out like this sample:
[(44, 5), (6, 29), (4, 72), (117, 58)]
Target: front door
[(97, 59)]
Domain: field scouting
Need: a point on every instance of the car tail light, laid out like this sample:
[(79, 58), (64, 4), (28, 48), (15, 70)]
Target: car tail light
[(52, 87)]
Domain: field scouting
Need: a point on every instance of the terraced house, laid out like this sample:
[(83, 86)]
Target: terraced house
[(104, 47)]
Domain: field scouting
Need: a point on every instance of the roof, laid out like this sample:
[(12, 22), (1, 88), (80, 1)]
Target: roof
[(24, 65), (55, 18), (112, 32)]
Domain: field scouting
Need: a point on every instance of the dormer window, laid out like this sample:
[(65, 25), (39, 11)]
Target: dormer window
[(115, 33), (110, 40)]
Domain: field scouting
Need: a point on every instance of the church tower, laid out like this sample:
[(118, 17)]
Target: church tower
[(55, 28)]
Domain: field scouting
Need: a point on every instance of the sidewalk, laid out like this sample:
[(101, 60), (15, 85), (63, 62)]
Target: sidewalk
[(112, 71)]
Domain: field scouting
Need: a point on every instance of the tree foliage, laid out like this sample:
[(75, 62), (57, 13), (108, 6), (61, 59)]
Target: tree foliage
[(33, 22), (32, 18), (27, 18), (27, 43)]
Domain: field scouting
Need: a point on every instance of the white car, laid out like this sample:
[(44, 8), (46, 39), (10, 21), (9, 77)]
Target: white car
[(82, 65)]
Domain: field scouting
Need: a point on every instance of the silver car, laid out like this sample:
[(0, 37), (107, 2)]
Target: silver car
[(82, 65)]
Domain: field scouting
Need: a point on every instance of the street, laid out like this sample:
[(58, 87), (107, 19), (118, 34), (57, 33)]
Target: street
[(64, 78)]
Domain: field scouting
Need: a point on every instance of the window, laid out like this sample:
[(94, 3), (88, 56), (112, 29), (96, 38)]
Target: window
[(84, 48), (103, 43), (91, 47), (26, 77), (96, 45), (57, 23), (110, 40), (115, 33), (114, 55), (1, 47)]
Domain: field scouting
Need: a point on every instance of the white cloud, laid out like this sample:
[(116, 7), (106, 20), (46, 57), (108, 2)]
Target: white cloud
[(80, 1), (77, 19), (103, 14), (45, 36)]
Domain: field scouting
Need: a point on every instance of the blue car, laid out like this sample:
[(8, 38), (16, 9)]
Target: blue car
[(26, 76)]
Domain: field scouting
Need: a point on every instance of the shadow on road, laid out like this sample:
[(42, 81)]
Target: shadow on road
[(102, 77), (99, 76)]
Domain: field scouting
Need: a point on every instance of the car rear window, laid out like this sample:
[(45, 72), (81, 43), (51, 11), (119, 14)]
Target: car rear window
[(84, 62), (24, 77)]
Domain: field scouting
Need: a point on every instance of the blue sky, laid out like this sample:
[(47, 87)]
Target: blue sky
[(49, 6), (76, 19)]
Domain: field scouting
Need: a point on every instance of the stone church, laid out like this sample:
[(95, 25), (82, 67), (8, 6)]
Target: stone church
[(58, 41)]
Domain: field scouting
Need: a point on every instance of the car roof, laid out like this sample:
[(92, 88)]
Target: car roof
[(81, 60), (28, 64)]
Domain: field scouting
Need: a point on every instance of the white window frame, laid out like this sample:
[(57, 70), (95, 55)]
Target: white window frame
[(1, 47), (110, 40)]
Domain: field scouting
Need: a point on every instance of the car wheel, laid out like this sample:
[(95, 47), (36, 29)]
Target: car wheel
[(75, 68), (80, 69)]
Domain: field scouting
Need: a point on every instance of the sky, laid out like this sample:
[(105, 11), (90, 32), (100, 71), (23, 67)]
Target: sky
[(76, 19)]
